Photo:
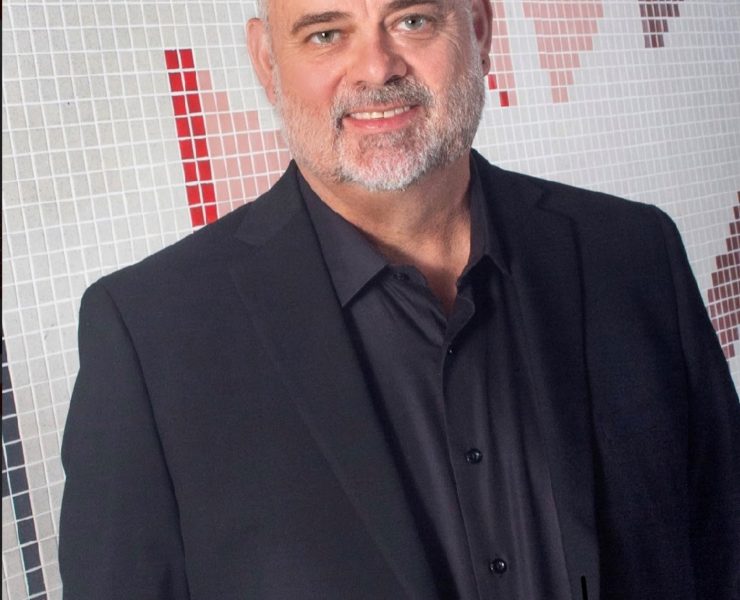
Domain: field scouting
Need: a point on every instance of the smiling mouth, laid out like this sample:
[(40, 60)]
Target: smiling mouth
[(376, 115)]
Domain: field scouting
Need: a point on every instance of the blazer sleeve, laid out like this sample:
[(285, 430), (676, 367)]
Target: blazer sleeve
[(119, 527), (714, 438)]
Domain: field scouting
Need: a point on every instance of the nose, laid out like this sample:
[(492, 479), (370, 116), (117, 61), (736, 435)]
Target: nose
[(376, 61)]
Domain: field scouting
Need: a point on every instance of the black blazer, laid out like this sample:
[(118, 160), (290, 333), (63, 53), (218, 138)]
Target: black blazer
[(221, 442)]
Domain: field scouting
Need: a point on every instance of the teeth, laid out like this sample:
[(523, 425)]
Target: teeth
[(386, 114)]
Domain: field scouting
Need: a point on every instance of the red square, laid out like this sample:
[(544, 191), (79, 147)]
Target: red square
[(193, 192), (186, 149), (198, 125), (211, 213), (209, 194), (492, 85), (183, 128), (196, 216), (504, 98), (186, 59), (171, 59), (204, 170), (178, 103), (175, 82), (194, 103), (191, 174), (201, 147), (191, 82)]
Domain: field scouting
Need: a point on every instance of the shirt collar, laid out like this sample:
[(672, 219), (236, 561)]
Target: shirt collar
[(484, 240), (352, 259)]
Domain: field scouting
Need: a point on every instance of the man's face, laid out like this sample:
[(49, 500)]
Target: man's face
[(375, 92)]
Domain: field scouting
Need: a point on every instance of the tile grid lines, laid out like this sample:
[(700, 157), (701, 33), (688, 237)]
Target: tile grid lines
[(191, 135), (68, 368), (154, 49), (655, 14), (141, 191), (15, 485), (724, 295), (668, 78), (116, 152), (501, 77), (47, 353), (563, 30), (131, 136), (36, 589), (647, 113), (56, 180), (112, 96), (38, 320)]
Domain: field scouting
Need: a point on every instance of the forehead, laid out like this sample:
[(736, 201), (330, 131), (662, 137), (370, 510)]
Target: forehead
[(283, 11)]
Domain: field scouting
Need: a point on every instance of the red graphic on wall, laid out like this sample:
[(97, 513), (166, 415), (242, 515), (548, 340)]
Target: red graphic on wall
[(228, 158), (564, 30), (501, 77), (191, 135), (724, 295), (655, 15)]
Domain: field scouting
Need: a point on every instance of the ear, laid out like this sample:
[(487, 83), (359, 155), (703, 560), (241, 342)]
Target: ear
[(258, 44), (482, 13)]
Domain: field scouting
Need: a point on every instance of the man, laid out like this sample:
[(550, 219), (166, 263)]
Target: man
[(402, 373)]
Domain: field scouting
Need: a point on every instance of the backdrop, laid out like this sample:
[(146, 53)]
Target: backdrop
[(126, 124)]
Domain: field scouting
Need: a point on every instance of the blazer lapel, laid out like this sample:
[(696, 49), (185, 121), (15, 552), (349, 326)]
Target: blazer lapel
[(543, 259), (287, 289)]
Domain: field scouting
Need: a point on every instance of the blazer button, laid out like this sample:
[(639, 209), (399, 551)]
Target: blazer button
[(498, 566), (474, 456)]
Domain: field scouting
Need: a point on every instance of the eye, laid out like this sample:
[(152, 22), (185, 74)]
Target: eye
[(414, 22), (323, 38)]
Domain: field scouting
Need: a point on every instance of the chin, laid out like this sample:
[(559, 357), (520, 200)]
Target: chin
[(392, 175)]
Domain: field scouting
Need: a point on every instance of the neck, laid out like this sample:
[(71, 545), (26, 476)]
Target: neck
[(426, 225)]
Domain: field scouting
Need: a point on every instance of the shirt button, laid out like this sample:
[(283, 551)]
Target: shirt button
[(451, 350), (498, 566), (400, 276), (474, 456)]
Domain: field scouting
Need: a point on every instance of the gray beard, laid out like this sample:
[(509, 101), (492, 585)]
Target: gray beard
[(391, 161)]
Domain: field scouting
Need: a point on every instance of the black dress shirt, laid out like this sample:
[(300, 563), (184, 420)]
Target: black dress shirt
[(456, 401)]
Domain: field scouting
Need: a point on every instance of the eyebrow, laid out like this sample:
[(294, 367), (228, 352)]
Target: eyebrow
[(331, 16), (317, 19), (401, 4)]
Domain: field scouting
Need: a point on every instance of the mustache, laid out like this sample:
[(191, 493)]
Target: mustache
[(406, 92)]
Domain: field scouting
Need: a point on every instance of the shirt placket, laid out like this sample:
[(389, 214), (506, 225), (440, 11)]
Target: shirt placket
[(467, 406)]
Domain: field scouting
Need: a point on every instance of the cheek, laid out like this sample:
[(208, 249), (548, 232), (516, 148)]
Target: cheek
[(310, 86), (441, 65)]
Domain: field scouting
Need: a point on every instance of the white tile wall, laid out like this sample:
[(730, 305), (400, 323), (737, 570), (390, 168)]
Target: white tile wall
[(93, 177)]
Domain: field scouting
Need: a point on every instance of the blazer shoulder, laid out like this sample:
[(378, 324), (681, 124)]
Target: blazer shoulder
[(589, 210), (204, 254), (180, 260)]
